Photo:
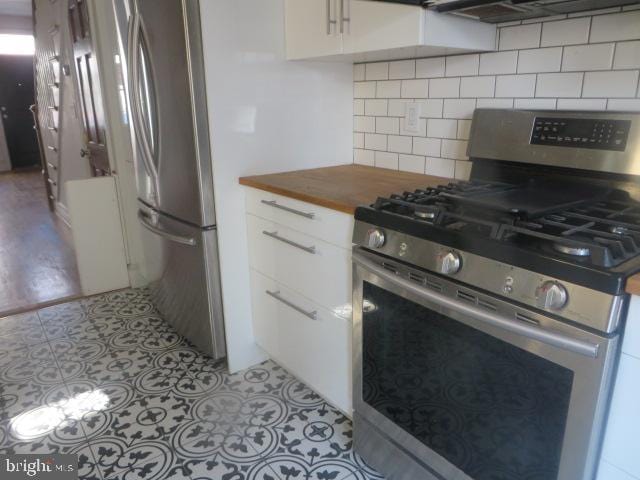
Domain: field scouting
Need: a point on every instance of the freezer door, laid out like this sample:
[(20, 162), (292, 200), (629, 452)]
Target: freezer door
[(161, 41), (181, 265)]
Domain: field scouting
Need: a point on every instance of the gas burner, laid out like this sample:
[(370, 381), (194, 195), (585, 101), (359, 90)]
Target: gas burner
[(619, 230), (425, 215), (572, 250)]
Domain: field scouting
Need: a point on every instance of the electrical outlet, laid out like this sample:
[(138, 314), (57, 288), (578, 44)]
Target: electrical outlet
[(412, 117)]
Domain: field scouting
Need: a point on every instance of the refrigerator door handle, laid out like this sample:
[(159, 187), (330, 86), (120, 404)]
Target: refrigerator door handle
[(147, 223), (133, 44)]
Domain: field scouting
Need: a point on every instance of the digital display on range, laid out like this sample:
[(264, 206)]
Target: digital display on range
[(581, 133)]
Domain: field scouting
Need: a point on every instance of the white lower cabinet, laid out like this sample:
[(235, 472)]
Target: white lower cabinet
[(316, 350), (300, 259)]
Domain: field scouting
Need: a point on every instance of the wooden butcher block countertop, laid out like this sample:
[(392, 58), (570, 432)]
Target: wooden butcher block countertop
[(633, 285), (341, 188), (345, 187)]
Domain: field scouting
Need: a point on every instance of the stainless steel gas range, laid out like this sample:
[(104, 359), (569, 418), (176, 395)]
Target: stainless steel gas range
[(488, 313)]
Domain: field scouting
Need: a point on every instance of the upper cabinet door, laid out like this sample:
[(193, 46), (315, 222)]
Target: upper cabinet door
[(312, 28), (373, 26)]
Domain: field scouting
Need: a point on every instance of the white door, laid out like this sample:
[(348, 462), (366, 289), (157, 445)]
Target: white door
[(380, 26), (312, 28)]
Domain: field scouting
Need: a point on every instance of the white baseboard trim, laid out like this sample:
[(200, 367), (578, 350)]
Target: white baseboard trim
[(62, 212)]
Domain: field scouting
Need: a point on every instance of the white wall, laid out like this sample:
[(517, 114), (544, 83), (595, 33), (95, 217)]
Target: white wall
[(16, 24), (265, 115), (571, 63)]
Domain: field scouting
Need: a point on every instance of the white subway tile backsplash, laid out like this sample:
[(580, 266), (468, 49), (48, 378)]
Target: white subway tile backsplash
[(540, 60), (588, 57), (415, 88), (462, 65), (573, 31), (627, 55), (364, 90), (615, 84), (626, 104), (386, 160), (454, 149), (388, 89), (412, 163), (582, 104), (464, 127), (422, 128), (516, 85), (463, 170), (494, 103), (521, 36), (363, 157), (388, 125), (431, 108), (440, 167), (374, 141), (364, 124), (376, 108), (535, 103), (444, 87), (399, 144), (397, 107), (358, 107), (442, 128), (427, 146), (563, 62), (498, 62), (358, 140), (459, 108), (559, 85), (477, 86), (377, 71), (402, 69), (619, 26), (430, 67)]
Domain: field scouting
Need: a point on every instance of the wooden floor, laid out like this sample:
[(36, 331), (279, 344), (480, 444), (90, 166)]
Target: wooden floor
[(37, 262)]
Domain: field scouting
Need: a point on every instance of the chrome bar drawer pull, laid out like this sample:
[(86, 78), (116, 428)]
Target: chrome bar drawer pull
[(275, 235), (274, 204), (312, 315)]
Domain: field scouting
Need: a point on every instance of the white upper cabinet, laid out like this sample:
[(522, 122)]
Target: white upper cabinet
[(364, 30), (312, 28), (373, 26)]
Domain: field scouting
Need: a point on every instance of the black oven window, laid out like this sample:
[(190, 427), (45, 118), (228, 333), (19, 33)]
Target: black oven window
[(495, 411)]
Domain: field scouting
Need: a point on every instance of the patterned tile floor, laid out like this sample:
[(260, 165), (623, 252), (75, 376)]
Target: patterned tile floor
[(106, 378)]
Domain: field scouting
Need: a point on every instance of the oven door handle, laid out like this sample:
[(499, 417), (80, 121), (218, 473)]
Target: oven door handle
[(554, 339)]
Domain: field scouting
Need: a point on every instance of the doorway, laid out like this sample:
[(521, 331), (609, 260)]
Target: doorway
[(16, 96), (37, 259)]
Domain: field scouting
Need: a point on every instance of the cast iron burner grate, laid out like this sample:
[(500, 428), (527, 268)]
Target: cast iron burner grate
[(597, 232)]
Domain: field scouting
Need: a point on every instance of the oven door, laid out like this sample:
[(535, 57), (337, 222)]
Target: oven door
[(450, 383)]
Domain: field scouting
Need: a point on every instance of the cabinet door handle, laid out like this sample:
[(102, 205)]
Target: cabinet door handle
[(312, 315), (345, 16), (330, 21), (274, 204), (275, 235)]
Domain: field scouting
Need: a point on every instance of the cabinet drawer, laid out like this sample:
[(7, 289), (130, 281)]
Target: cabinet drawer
[(317, 269), (323, 223), (317, 351)]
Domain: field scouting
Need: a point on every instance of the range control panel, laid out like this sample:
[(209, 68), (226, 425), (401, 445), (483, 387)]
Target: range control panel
[(581, 133)]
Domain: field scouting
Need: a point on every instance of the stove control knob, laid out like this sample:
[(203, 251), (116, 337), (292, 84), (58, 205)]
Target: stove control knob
[(449, 263), (375, 238), (551, 295)]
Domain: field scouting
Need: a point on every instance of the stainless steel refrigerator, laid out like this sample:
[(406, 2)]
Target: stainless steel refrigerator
[(160, 42)]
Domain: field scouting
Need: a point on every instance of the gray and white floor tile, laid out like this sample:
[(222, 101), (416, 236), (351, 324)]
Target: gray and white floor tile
[(108, 379)]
